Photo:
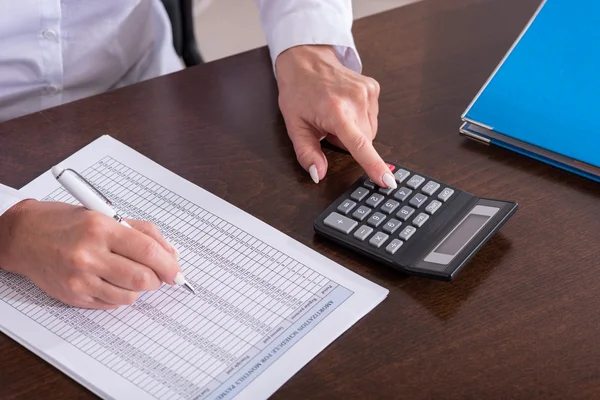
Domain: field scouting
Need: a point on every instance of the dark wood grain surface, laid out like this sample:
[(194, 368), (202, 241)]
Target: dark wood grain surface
[(522, 319)]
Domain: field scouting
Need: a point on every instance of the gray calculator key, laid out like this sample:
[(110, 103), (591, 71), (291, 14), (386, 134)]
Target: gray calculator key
[(376, 219), (418, 200), (433, 207), (420, 220), (405, 213), (415, 181), (374, 200), (362, 232), (407, 232), (430, 188), (445, 194), (359, 194), (346, 206), (389, 206), (391, 226), (361, 213), (394, 246), (340, 223), (402, 194), (369, 183), (385, 191), (378, 239), (401, 175)]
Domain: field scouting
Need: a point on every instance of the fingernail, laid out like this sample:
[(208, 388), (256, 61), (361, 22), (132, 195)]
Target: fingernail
[(389, 180), (314, 174), (179, 279)]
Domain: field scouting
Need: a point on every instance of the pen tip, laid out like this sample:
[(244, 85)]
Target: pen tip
[(189, 287)]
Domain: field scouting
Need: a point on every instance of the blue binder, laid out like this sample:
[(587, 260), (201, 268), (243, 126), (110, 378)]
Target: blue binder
[(543, 100)]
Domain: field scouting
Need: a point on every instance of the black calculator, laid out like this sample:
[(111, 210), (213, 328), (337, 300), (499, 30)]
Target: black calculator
[(424, 227)]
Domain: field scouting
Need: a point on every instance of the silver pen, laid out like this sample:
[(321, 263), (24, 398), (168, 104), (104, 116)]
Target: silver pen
[(92, 199)]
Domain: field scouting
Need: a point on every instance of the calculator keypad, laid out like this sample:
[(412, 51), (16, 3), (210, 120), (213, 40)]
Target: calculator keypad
[(387, 218)]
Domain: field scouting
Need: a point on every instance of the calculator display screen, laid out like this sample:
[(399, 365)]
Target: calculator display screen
[(462, 234)]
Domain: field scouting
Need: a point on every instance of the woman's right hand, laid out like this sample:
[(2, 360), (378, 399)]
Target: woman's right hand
[(84, 258)]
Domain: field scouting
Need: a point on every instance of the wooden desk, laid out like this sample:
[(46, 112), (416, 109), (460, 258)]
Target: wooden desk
[(521, 321)]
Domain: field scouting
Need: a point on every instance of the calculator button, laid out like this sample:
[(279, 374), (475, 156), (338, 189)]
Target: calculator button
[(389, 206), (430, 188), (374, 200), (433, 207), (407, 232), (378, 239), (346, 206), (386, 191), (361, 213), (402, 194), (391, 226), (418, 200), (415, 181), (340, 223), (394, 246), (359, 194), (420, 220), (401, 175), (445, 194), (392, 167), (405, 213), (362, 232), (376, 219), (369, 183)]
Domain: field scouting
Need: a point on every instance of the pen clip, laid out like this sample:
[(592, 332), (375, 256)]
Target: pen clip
[(91, 186)]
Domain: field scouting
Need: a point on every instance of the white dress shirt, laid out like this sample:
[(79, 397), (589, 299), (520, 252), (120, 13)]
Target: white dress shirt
[(56, 51)]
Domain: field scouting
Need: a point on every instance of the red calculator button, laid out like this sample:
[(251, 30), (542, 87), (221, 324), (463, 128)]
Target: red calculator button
[(391, 167)]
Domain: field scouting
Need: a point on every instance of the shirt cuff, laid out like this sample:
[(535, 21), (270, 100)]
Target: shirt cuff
[(315, 28), (8, 198)]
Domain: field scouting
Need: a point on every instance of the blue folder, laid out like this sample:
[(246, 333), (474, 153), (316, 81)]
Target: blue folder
[(543, 100)]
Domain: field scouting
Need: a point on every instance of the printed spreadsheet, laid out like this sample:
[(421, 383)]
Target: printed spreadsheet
[(254, 302)]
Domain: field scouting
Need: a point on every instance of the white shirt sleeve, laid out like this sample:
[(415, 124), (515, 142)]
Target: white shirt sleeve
[(8, 198), (289, 23)]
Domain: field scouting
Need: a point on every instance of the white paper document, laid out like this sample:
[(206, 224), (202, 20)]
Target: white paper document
[(265, 303)]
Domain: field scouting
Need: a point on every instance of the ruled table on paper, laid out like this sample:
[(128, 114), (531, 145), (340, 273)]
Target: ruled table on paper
[(255, 301)]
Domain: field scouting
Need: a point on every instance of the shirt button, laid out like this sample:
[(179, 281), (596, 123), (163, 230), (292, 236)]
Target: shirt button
[(49, 34), (52, 89)]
